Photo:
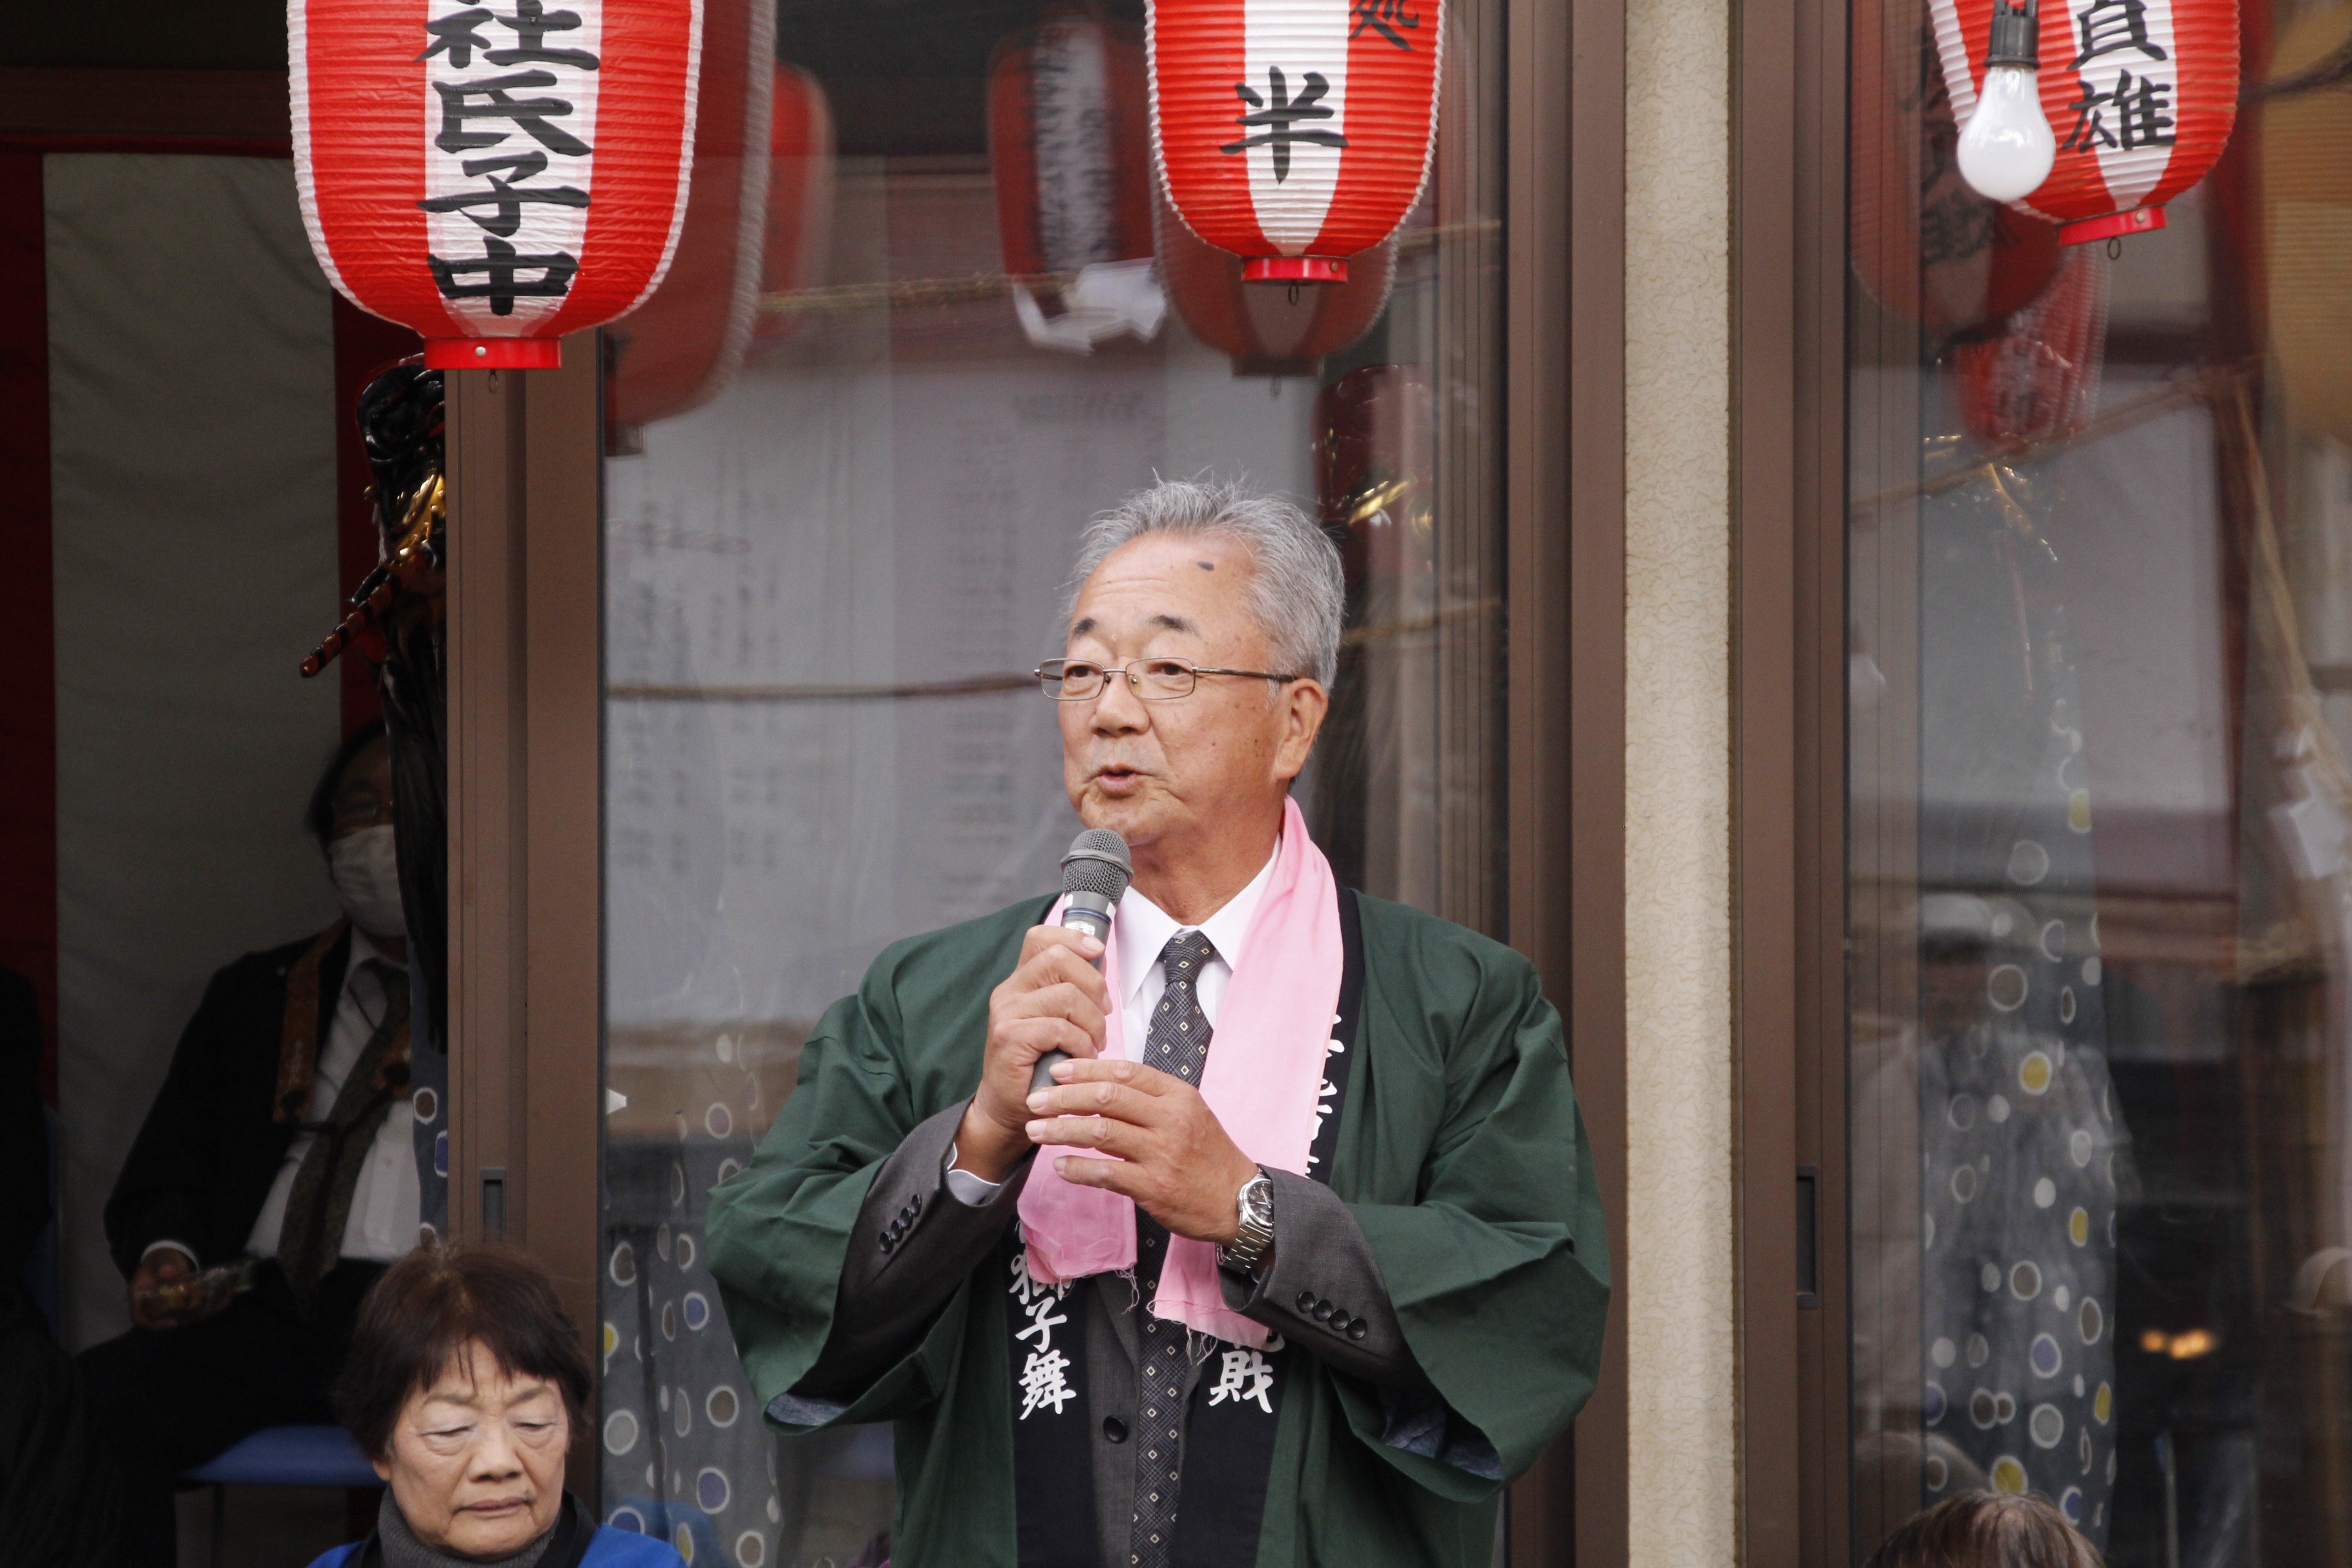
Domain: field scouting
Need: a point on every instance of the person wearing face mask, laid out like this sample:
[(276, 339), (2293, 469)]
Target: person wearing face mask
[(273, 1179)]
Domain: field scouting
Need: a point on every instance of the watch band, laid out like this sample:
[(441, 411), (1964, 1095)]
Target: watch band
[(1246, 1254)]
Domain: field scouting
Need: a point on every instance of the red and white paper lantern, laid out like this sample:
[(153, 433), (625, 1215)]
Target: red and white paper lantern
[(494, 177), (1925, 245), (1293, 134), (800, 194), (1270, 332), (2141, 95), (1069, 142), (686, 342), (2037, 379)]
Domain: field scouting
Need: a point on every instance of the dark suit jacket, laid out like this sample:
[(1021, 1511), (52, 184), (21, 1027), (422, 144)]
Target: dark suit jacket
[(205, 1157), (25, 1196)]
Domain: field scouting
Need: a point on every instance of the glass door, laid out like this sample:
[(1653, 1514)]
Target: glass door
[(2100, 698), (928, 314)]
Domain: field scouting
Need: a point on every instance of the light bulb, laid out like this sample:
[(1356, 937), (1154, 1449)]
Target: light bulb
[(2007, 149)]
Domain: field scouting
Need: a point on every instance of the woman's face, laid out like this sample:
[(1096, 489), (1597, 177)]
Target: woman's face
[(477, 1461)]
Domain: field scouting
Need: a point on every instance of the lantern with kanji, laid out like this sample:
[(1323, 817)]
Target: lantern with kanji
[(2140, 95), (1069, 146), (1924, 245), (1293, 134), (494, 178)]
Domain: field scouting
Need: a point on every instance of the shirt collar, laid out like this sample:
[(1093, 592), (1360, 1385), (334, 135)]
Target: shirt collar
[(364, 951), (1142, 929)]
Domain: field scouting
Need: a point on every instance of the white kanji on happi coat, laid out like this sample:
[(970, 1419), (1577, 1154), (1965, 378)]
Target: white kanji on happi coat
[(1293, 134), (2141, 94), (1044, 1373), (494, 175), (1242, 1376)]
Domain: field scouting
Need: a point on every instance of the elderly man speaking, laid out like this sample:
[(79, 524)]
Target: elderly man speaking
[(1299, 1258)]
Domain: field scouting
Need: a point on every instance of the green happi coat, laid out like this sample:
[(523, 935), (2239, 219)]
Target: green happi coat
[(1460, 1155)]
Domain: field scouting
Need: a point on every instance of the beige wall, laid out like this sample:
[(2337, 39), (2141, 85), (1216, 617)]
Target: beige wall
[(1679, 1246)]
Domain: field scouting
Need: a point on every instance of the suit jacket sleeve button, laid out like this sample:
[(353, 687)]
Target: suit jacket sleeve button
[(1359, 1329), (1340, 1322), (1322, 1310), (1305, 1303)]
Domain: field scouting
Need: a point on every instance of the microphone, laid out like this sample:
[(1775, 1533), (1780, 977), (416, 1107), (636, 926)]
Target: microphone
[(1094, 874)]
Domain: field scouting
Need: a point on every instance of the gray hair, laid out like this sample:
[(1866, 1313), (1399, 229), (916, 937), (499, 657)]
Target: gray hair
[(1298, 594)]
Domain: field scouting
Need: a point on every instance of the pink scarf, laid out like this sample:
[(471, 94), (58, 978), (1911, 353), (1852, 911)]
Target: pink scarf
[(1264, 1078)]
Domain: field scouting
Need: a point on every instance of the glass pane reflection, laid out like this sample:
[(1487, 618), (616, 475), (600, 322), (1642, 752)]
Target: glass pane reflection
[(2099, 610), (851, 443)]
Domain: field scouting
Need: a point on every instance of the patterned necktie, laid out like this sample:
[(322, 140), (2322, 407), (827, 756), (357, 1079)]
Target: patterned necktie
[(311, 1242), (1178, 1045)]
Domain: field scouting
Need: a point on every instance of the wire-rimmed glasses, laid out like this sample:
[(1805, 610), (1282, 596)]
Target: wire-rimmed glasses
[(1152, 679)]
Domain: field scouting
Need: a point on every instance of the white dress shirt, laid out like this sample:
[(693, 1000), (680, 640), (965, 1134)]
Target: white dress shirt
[(386, 1207), (1141, 931)]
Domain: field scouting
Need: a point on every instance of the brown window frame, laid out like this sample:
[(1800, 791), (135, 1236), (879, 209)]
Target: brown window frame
[(525, 627), (1788, 758)]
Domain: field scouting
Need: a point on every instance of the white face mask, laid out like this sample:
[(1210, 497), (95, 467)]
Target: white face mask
[(367, 879)]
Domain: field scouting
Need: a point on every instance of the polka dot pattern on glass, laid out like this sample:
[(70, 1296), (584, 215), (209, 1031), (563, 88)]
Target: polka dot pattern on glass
[(712, 1489), (2021, 1155)]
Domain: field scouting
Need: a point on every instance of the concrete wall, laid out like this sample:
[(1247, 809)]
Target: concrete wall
[(1679, 1251)]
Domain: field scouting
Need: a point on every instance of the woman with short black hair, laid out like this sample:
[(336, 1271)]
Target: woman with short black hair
[(464, 1383)]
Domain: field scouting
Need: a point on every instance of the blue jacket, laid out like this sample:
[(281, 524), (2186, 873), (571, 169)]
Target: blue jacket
[(608, 1548)]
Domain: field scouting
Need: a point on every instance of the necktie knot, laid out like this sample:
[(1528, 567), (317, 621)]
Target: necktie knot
[(1186, 952)]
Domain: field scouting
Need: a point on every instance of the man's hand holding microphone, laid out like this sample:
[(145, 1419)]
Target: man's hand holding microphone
[(1043, 1079)]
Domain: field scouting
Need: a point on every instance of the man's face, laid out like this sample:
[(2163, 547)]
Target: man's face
[(1224, 754), (363, 794)]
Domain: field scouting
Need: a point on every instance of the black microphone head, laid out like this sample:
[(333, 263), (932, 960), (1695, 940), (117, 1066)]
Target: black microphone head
[(1097, 863)]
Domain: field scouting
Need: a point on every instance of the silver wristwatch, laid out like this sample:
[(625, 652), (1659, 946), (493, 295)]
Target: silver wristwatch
[(1246, 1254)]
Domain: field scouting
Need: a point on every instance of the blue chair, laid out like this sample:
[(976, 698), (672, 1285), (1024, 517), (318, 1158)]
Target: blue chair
[(283, 1456)]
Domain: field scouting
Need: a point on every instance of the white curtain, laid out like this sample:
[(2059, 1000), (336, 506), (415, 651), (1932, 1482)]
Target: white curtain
[(191, 441)]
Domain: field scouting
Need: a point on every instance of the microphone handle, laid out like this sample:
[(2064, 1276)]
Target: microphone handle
[(1088, 912)]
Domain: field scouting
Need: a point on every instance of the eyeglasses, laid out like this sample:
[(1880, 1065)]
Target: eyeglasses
[(1152, 679), (361, 807)]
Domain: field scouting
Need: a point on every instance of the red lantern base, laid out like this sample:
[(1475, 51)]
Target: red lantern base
[(1294, 269), (2115, 226), (493, 354)]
